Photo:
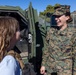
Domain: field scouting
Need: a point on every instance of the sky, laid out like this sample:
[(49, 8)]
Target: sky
[(40, 5)]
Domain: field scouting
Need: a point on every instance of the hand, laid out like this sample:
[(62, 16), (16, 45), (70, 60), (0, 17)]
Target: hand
[(42, 70)]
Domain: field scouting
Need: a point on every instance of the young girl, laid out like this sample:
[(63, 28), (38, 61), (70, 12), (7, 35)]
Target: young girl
[(9, 35)]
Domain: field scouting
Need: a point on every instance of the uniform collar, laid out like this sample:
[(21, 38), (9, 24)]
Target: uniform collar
[(64, 32)]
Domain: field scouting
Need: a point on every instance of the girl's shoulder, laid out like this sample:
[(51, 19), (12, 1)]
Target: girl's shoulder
[(9, 66), (8, 59)]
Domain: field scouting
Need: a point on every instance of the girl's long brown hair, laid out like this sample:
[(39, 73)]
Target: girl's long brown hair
[(8, 28)]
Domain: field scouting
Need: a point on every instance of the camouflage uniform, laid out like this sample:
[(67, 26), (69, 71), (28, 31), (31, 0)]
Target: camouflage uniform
[(60, 53)]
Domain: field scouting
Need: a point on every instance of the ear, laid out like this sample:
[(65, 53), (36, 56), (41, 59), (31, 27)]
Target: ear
[(67, 17)]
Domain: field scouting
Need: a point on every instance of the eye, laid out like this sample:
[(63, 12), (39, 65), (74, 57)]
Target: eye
[(58, 16)]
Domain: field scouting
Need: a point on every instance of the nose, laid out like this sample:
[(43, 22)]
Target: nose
[(56, 18), (18, 35)]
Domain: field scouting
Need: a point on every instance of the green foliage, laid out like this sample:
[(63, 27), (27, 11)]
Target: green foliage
[(56, 5), (49, 9), (48, 20)]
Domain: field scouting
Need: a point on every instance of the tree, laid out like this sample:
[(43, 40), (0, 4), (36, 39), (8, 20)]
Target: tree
[(49, 9)]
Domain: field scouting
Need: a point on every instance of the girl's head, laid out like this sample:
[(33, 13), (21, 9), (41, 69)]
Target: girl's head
[(9, 34)]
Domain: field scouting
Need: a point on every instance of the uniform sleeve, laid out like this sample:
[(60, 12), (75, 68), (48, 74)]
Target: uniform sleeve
[(74, 42), (45, 51), (74, 53), (9, 66), (74, 46)]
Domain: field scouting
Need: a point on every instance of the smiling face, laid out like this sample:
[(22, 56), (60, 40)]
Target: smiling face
[(61, 20), (62, 15)]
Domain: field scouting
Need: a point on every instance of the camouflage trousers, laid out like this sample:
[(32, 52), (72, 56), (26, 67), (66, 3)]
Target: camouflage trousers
[(62, 67)]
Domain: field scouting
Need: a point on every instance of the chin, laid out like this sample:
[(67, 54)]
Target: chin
[(59, 25)]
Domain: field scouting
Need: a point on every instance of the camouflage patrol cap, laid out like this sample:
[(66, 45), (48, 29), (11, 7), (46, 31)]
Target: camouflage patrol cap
[(62, 9)]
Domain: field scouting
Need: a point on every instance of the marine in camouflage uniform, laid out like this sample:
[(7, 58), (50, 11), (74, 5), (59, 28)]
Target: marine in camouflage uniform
[(60, 53)]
